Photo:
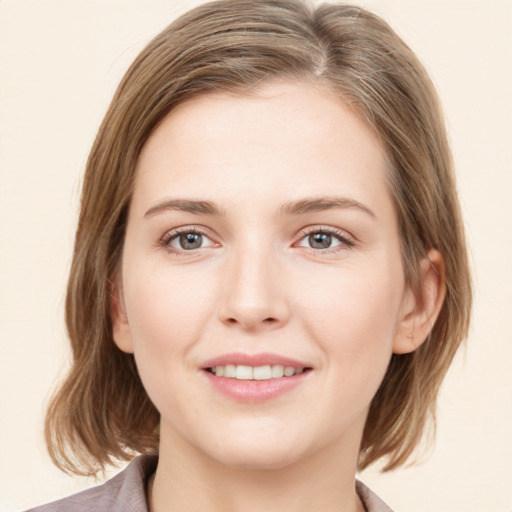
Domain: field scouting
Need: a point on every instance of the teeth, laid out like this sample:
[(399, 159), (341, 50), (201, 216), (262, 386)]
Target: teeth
[(229, 371), (289, 371), (245, 372), (277, 371), (262, 373)]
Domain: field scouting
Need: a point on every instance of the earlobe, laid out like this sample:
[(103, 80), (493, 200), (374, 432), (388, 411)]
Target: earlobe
[(420, 312), (121, 332)]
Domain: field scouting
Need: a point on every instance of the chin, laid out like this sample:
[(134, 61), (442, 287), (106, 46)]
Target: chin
[(258, 450), (258, 459)]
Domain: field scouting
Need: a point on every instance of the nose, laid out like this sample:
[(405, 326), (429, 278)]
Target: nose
[(254, 296)]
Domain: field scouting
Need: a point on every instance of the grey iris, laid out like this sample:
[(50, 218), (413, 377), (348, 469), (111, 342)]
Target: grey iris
[(320, 240), (191, 241)]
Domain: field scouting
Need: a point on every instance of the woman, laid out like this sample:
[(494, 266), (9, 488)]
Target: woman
[(270, 277)]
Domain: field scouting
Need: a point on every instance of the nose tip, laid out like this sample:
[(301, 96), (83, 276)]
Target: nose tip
[(255, 297)]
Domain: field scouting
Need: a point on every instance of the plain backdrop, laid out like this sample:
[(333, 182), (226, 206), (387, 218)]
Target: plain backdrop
[(60, 62)]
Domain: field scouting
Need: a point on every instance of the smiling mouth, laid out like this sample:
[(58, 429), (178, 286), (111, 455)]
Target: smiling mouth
[(246, 372)]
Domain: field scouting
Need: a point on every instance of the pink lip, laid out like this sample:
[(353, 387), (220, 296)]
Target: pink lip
[(253, 360), (254, 390)]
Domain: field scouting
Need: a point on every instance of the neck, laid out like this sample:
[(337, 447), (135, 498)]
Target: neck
[(187, 480)]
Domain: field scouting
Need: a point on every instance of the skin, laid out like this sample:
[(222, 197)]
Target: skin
[(255, 284)]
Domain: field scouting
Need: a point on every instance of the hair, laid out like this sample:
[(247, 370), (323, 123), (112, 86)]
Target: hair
[(101, 412)]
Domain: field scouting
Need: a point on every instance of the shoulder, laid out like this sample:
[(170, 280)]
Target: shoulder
[(125, 492), (370, 500)]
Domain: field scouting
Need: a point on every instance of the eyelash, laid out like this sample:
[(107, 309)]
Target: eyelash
[(346, 241), (166, 240)]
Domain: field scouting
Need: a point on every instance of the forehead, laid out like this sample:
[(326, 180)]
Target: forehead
[(288, 137)]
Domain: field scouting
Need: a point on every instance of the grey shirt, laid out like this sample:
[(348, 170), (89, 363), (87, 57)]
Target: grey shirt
[(126, 492)]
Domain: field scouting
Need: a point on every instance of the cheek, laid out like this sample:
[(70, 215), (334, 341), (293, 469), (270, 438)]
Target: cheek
[(167, 312), (353, 313), (352, 317), (167, 307)]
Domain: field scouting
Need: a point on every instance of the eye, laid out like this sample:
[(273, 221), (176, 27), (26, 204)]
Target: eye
[(323, 239), (188, 239)]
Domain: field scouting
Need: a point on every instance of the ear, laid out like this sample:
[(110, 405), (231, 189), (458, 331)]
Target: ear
[(419, 313), (120, 327)]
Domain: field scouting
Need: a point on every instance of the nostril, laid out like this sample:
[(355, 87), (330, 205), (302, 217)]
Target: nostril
[(270, 321)]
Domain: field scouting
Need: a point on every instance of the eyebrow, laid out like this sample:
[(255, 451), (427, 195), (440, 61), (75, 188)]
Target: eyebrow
[(307, 205), (318, 204), (186, 205)]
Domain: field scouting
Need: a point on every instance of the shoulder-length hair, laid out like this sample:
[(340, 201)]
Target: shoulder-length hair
[(101, 411)]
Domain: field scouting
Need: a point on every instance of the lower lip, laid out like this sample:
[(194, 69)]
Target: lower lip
[(255, 390)]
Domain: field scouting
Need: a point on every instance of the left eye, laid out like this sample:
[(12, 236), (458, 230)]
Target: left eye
[(188, 241), (322, 240)]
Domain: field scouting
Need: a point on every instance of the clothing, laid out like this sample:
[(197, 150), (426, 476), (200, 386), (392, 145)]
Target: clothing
[(126, 493)]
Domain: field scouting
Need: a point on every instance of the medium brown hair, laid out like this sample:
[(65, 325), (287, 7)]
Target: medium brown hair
[(101, 411)]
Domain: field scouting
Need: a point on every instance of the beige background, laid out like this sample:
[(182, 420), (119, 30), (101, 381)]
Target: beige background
[(59, 64)]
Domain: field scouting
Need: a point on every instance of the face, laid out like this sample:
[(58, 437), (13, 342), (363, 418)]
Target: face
[(261, 288)]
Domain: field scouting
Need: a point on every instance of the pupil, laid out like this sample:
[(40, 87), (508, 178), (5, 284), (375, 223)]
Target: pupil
[(320, 240), (191, 241)]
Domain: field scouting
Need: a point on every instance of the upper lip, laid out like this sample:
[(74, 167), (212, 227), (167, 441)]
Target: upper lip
[(262, 359)]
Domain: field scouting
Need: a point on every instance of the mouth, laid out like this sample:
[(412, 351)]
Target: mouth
[(264, 372), (256, 377)]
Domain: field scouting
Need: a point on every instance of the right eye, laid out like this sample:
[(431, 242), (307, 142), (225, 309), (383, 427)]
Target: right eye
[(186, 240)]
